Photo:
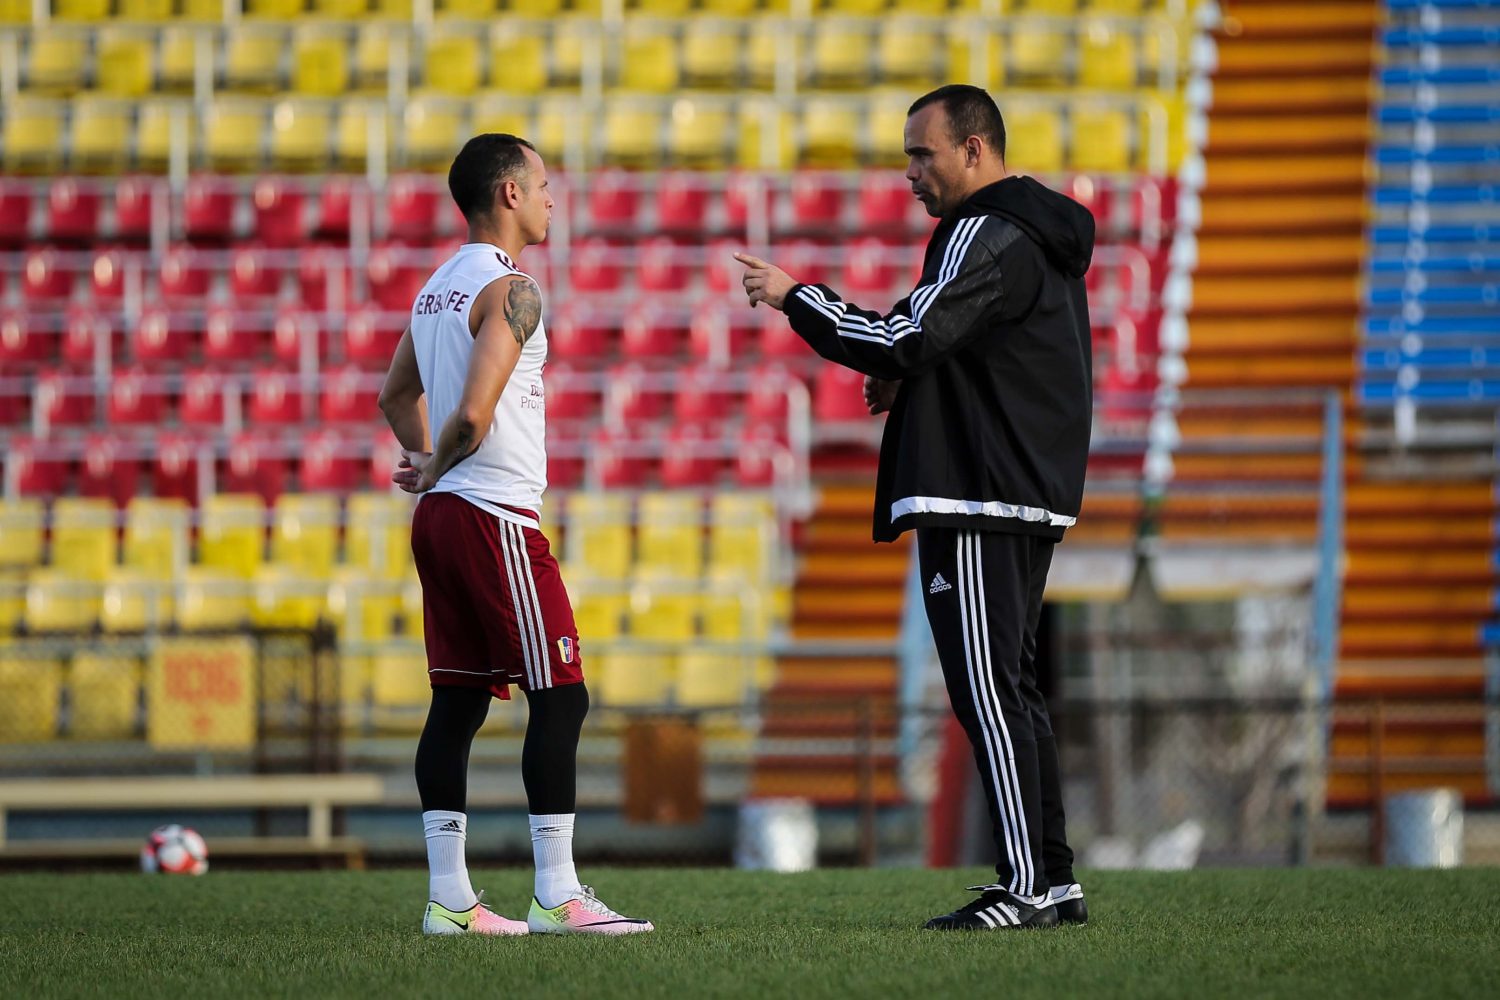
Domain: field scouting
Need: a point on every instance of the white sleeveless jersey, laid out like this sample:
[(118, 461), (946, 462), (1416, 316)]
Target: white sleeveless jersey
[(510, 465)]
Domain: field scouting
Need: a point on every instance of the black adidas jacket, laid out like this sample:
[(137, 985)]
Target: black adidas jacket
[(990, 429)]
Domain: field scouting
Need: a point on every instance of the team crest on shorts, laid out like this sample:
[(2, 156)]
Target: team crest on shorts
[(565, 649)]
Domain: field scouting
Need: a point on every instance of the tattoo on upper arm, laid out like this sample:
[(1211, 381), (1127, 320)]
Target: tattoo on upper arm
[(523, 309)]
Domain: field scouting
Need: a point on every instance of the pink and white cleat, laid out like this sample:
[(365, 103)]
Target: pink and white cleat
[(582, 913), (479, 920)]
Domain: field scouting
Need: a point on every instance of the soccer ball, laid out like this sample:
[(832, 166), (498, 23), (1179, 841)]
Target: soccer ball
[(175, 850)]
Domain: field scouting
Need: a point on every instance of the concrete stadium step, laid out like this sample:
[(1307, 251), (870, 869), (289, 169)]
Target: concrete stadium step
[(848, 500), (1456, 737), (1288, 335), (1269, 58), (1281, 133), (1253, 255), (1325, 19), (1250, 371), (1252, 96), (1312, 215), (1371, 676)]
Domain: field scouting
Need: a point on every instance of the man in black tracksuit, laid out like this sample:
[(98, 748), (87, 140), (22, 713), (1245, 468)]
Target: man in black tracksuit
[(986, 371)]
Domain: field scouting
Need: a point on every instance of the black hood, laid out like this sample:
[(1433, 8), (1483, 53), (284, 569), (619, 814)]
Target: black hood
[(1063, 228)]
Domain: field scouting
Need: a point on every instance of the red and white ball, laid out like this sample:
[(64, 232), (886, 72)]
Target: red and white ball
[(174, 850)]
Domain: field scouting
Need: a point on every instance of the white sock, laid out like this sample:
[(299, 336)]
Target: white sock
[(1059, 891), (552, 847), (447, 874)]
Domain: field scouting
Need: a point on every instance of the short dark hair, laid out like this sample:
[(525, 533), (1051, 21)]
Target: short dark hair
[(971, 111), (485, 162)]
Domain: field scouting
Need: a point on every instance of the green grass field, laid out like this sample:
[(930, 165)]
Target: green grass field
[(830, 933)]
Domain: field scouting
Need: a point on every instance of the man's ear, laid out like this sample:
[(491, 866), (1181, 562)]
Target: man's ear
[(973, 150)]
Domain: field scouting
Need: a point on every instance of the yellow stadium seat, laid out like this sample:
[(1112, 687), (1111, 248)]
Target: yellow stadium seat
[(22, 532), (159, 125), (475, 10), (320, 62), (858, 8), (124, 62), (1101, 138), (1106, 56), (733, 611), (767, 138), (575, 40), (80, 10), (32, 137), (648, 61), (535, 8), (15, 11), (841, 53), (908, 51), (372, 53), (564, 131), (287, 597), (885, 129), (213, 600), (104, 696), (830, 132), (343, 10), (452, 63), (1161, 128), (12, 599), (137, 601), (352, 139), (179, 52), (281, 10), (670, 536), (100, 136), (413, 621), (631, 135), (58, 61), (730, 8), (362, 609), (378, 538), (598, 612), (1037, 52), (1033, 136), (664, 609), (252, 58), (1113, 6), (742, 535), (156, 535), (399, 690), (433, 131), (707, 679), (300, 132), (204, 11), (354, 690), (975, 55), (769, 50), (143, 11), (231, 533), (633, 679), (61, 602), (599, 539), (1166, 48), (30, 689), (395, 9), (83, 536), (937, 8), (518, 59), (502, 113), (233, 137), (699, 134), (710, 53), (1051, 8), (663, 8), (305, 533)]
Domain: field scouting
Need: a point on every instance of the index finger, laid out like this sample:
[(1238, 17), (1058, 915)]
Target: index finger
[(749, 261)]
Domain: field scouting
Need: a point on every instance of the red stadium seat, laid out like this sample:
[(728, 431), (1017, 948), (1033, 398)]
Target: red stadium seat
[(569, 397), (564, 457), (202, 403), (382, 457), (184, 276), (718, 335), (767, 401), (72, 212), (691, 458), (134, 200), (661, 265), (107, 275), (778, 339), (108, 470), (252, 275), (175, 472), (15, 403), (64, 400), (161, 337), (580, 332), (632, 394), (275, 397), (208, 210), (613, 199), (804, 260), (335, 196), (371, 336), (276, 207), (44, 281), (36, 468), (15, 213), (84, 333), (23, 344), (1093, 195), (134, 399), (652, 332), (349, 395), (591, 268), (721, 271), (619, 461), (871, 271), (256, 463), (230, 337), (759, 455), (291, 327), (396, 277), (681, 201), (411, 205), (329, 461), (743, 194), (838, 395), (885, 201), (817, 200), (323, 280), (702, 395)]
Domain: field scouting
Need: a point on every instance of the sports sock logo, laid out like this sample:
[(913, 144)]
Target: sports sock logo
[(450, 827), (939, 585)]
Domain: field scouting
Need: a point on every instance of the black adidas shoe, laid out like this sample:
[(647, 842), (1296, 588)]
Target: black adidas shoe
[(1069, 903), (996, 909)]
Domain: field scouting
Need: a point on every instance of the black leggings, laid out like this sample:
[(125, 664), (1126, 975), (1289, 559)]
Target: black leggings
[(549, 757)]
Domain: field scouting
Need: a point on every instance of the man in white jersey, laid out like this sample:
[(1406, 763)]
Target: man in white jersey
[(494, 608)]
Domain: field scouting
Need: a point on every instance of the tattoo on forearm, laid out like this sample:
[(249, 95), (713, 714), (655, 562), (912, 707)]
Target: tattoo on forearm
[(523, 309)]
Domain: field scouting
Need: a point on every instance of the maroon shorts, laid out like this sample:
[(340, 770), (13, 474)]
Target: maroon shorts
[(493, 605)]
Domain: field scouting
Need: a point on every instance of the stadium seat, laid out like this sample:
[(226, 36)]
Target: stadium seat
[(363, 610), (252, 58), (700, 394), (1106, 56), (908, 52), (107, 277), (80, 10), (577, 331), (691, 458), (729, 8), (286, 597), (281, 10), (72, 212), (711, 51), (137, 601), (663, 609), (31, 138), (277, 209), (452, 63), (817, 200), (162, 127), (231, 534), (884, 202), (108, 468), (652, 333), (304, 533), (734, 611), (599, 613), (348, 394), (22, 532), (1033, 136), (35, 467), (104, 696), (1036, 52), (742, 535), (872, 271), (23, 346), (411, 208), (178, 54), (518, 59), (700, 135), (840, 53), (179, 466), (433, 129), (320, 66), (57, 61), (160, 337), (208, 210), (63, 400), (1101, 139), (123, 62), (838, 395), (300, 132), (599, 537), (631, 135), (633, 679), (275, 397), (30, 690), (708, 679), (343, 10), (257, 462), (233, 139), (372, 53), (156, 536), (670, 534), (352, 133), (57, 601), (15, 212), (575, 41), (975, 56), (648, 59), (99, 136), (213, 600), (399, 690), (83, 537), (378, 534), (395, 278), (44, 279)]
